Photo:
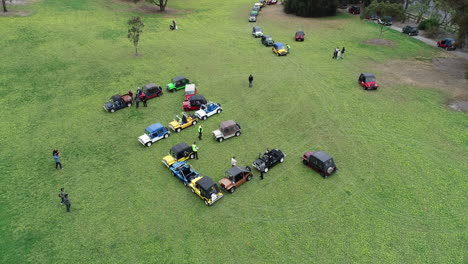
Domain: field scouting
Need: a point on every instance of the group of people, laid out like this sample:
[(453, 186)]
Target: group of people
[(139, 97), (339, 54)]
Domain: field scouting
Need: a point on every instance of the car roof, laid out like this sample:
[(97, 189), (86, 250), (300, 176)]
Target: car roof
[(190, 87), (151, 85), (266, 36), (300, 32), (277, 44), (451, 39), (179, 148), (205, 183), (233, 171), (228, 123), (367, 74), (197, 97), (257, 28), (178, 78), (116, 97), (154, 127), (321, 155)]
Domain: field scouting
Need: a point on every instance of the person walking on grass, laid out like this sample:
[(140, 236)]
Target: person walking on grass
[(200, 132), (56, 156), (342, 52), (61, 195), (66, 201), (195, 150), (233, 162), (250, 80), (289, 48)]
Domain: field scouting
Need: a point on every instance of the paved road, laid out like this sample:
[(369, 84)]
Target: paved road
[(433, 43)]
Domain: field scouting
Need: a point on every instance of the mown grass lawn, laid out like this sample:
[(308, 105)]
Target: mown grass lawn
[(399, 195)]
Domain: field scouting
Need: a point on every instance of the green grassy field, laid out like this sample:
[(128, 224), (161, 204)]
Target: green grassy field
[(399, 195)]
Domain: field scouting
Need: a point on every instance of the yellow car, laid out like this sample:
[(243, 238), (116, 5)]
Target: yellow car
[(279, 49), (206, 188), (179, 152), (183, 122)]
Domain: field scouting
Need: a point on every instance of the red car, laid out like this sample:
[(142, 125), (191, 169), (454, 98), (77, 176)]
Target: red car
[(320, 162), (448, 44), (272, 2), (367, 81), (355, 10), (152, 90), (299, 35), (194, 103)]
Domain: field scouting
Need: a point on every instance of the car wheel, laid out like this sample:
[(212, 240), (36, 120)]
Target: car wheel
[(166, 135), (277, 54), (447, 49), (238, 133), (191, 189), (232, 190), (149, 144), (192, 156), (304, 162), (194, 122), (220, 139), (173, 174), (129, 104), (172, 90), (329, 170), (249, 177), (219, 111), (112, 110), (265, 170), (206, 202), (322, 174), (178, 130), (281, 160), (204, 117)]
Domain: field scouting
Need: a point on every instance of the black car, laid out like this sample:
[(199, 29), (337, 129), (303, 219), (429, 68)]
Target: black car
[(152, 90), (412, 31), (355, 10), (319, 161), (267, 40), (118, 102), (269, 159), (385, 20)]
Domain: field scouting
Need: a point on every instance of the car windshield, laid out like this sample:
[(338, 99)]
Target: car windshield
[(300, 33), (147, 133), (213, 189), (280, 46), (370, 79)]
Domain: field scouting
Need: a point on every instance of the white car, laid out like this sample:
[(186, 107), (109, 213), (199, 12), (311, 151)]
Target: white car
[(208, 110), (257, 31), (153, 133), (252, 19)]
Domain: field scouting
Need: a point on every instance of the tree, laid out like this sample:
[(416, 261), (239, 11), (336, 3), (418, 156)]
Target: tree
[(420, 8), (444, 7), (461, 19), (135, 26), (4, 5), (161, 3), (311, 8)]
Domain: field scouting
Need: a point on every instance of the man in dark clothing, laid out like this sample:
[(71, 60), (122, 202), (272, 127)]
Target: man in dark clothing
[(261, 175), (250, 80), (61, 195), (335, 53), (143, 99), (137, 101), (184, 119), (342, 52), (66, 201), (57, 161), (130, 93)]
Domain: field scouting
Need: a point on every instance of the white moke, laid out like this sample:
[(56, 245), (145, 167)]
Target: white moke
[(153, 133), (208, 110), (226, 130)]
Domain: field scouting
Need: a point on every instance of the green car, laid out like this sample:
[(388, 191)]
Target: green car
[(177, 83)]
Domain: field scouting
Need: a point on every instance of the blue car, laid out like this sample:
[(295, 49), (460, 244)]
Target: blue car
[(184, 172), (208, 110), (153, 133)]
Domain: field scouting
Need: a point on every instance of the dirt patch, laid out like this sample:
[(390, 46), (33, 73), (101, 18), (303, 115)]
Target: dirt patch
[(381, 42), (15, 14), (445, 74)]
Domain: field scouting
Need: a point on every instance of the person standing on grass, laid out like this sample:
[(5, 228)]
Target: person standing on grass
[(200, 132), (55, 152), (61, 195), (289, 48), (342, 52), (335, 52), (261, 175), (66, 201), (56, 156), (195, 150), (137, 100), (250, 80), (338, 54), (143, 99), (233, 162)]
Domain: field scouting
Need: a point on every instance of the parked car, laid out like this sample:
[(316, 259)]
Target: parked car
[(257, 31), (385, 20), (269, 159), (117, 102), (252, 18), (253, 13), (194, 103), (177, 83), (235, 177), (152, 90), (411, 31), (272, 2), (206, 189), (226, 130), (258, 5), (372, 16), (299, 35), (267, 40), (184, 172), (179, 152), (262, 3), (355, 10), (208, 110), (368, 81), (447, 43), (190, 90), (256, 8), (279, 49), (154, 133), (183, 122), (319, 161)]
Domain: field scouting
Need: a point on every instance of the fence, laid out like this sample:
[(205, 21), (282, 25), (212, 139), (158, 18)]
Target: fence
[(445, 26)]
